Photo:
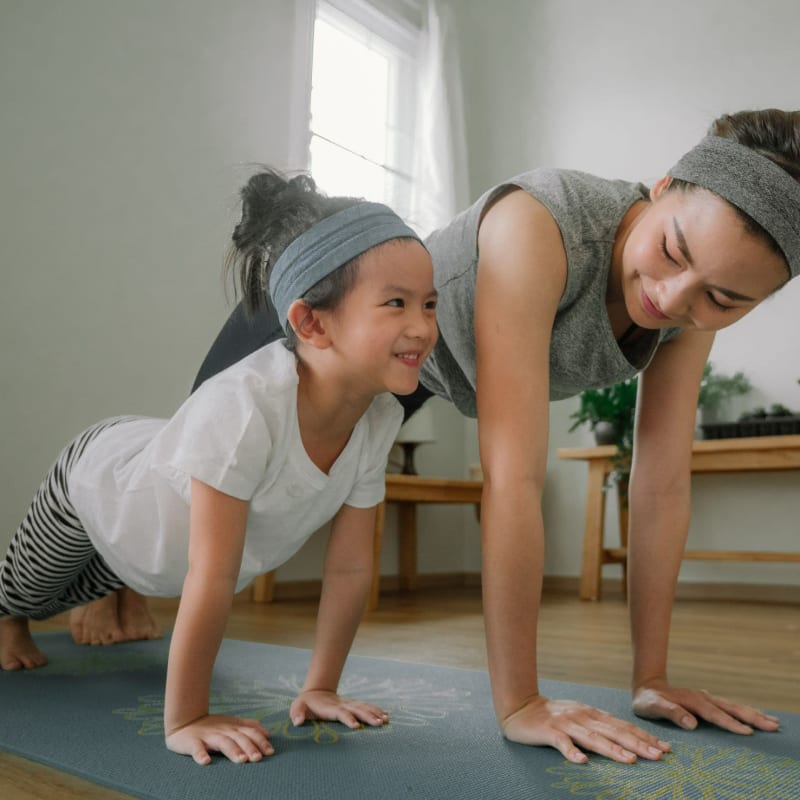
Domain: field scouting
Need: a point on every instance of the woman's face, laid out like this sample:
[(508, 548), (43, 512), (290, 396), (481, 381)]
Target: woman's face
[(688, 261)]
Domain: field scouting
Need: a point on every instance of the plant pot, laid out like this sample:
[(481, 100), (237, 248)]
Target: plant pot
[(605, 432)]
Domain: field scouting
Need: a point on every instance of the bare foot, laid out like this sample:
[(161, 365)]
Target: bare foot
[(135, 618), (122, 616), (97, 622), (17, 648)]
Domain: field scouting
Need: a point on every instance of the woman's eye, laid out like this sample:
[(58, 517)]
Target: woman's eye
[(666, 252), (714, 302)]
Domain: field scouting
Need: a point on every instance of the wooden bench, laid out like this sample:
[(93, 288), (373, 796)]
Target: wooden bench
[(407, 491), (714, 455)]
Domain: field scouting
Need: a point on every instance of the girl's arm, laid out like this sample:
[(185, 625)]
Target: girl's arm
[(521, 276), (660, 505), (216, 541), (345, 588)]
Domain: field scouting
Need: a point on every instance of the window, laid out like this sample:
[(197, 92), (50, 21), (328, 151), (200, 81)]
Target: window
[(363, 98)]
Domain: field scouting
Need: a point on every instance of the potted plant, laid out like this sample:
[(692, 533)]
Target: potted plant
[(609, 411), (715, 392)]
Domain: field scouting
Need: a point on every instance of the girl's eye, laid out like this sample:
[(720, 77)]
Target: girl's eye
[(714, 302), (396, 302), (430, 305)]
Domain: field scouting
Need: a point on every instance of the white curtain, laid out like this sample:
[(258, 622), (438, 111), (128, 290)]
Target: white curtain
[(441, 183)]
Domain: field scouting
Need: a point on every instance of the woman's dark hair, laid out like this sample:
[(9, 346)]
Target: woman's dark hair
[(275, 211), (773, 133)]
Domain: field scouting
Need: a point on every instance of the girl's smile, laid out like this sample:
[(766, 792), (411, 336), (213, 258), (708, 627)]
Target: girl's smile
[(386, 325)]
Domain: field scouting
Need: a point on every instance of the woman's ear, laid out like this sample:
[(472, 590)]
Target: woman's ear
[(307, 325), (660, 186)]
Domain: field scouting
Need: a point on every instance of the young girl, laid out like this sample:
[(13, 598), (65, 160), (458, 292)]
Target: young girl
[(250, 466), (558, 281)]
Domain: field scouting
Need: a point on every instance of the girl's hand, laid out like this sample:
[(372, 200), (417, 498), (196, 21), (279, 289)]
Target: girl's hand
[(658, 700), (321, 704), (564, 724), (239, 740)]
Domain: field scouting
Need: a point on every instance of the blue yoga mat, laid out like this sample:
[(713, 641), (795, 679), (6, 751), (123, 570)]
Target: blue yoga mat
[(97, 713)]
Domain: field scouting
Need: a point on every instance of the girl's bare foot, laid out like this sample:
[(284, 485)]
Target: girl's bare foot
[(97, 622), (17, 648), (122, 616), (135, 618)]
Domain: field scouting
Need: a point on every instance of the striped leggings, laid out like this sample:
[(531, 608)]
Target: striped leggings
[(51, 564)]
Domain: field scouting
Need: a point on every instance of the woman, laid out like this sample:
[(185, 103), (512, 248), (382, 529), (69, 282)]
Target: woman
[(558, 281)]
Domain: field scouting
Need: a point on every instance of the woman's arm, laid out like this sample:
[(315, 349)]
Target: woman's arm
[(521, 276), (660, 505), (216, 541), (345, 588)]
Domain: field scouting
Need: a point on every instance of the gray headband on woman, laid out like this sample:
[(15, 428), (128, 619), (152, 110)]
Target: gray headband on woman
[(751, 182), (330, 244)]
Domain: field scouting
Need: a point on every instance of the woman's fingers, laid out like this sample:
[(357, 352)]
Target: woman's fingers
[(569, 726), (683, 707)]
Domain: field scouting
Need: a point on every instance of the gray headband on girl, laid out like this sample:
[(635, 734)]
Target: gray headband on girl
[(751, 182), (330, 244)]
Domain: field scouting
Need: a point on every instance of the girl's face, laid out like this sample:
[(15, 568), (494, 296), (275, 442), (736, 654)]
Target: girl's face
[(689, 262), (386, 325)]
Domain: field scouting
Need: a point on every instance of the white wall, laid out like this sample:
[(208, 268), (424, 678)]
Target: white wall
[(621, 89), (126, 130)]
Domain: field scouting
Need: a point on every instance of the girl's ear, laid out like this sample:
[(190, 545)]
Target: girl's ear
[(308, 325), (659, 187)]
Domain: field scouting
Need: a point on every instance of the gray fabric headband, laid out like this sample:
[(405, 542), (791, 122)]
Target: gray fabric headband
[(330, 244), (751, 182)]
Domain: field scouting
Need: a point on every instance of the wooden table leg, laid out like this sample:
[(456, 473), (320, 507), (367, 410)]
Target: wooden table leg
[(622, 503), (591, 571), (264, 587), (377, 544), (407, 545)]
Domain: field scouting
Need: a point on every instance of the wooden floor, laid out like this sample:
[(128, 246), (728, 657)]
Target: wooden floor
[(748, 651)]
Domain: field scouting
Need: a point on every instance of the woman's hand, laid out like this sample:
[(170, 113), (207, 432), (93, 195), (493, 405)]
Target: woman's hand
[(239, 740), (658, 700), (564, 724), (321, 704)]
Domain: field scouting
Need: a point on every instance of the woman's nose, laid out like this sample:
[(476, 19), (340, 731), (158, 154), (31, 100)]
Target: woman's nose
[(672, 297)]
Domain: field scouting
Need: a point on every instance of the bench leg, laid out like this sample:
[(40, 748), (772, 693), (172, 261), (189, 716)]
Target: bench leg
[(407, 545), (264, 588), (592, 562), (377, 544)]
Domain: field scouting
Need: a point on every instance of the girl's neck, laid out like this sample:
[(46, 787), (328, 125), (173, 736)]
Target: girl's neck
[(326, 413)]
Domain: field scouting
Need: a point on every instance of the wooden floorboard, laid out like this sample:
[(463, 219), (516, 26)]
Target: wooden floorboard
[(748, 651)]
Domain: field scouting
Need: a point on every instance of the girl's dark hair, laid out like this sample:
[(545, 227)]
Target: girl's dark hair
[(773, 133), (275, 211)]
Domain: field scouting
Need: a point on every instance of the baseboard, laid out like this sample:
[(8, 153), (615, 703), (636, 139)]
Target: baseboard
[(566, 585), (729, 592)]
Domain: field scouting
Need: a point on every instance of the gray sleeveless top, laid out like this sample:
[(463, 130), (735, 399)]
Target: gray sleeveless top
[(583, 351)]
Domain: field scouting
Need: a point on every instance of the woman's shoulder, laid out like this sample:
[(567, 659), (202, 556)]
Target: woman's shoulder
[(566, 188)]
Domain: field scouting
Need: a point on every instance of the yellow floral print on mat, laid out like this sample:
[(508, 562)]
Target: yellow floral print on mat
[(689, 772), (410, 702)]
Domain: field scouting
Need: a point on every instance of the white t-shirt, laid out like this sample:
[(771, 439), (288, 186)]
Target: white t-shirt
[(238, 433)]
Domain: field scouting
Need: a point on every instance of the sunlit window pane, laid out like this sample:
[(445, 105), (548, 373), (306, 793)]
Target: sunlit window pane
[(362, 109), (340, 172), (349, 97)]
